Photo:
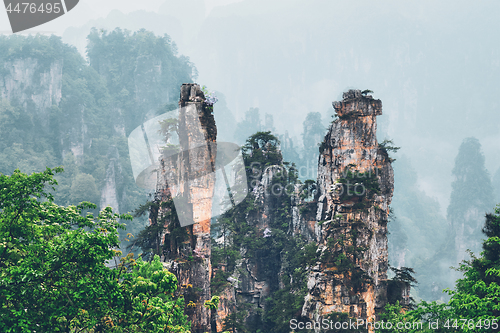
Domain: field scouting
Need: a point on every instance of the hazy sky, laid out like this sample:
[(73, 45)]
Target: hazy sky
[(92, 9)]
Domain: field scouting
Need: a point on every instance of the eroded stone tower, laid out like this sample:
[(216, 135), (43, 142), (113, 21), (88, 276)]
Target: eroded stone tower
[(188, 177), (355, 187)]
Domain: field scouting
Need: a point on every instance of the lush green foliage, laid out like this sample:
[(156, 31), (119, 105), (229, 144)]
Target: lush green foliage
[(261, 149), (475, 302), (477, 295), (53, 272), (274, 250)]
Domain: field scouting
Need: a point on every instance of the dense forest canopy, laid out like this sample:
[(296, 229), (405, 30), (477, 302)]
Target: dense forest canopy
[(54, 274)]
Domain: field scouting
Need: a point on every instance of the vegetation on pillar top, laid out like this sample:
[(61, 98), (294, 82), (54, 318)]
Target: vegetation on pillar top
[(262, 148), (357, 103)]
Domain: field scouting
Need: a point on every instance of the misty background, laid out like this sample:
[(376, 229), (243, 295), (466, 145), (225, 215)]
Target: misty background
[(434, 65)]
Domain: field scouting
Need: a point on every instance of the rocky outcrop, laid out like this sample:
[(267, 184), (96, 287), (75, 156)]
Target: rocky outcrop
[(355, 187), (110, 193), (345, 213), (250, 284), (28, 82), (187, 177)]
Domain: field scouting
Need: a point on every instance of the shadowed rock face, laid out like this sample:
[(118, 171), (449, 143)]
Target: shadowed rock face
[(355, 187), (251, 283)]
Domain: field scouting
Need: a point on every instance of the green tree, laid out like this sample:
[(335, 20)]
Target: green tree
[(84, 187), (477, 296), (475, 302), (423, 319), (262, 149), (53, 272)]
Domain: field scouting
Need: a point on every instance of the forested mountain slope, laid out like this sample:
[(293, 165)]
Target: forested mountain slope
[(58, 109)]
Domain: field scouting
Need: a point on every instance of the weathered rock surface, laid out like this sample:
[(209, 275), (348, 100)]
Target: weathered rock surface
[(347, 219), (250, 284), (190, 178), (355, 187), (25, 80), (37, 87)]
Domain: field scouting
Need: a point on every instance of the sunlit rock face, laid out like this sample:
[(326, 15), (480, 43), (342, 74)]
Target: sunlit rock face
[(355, 187), (195, 185)]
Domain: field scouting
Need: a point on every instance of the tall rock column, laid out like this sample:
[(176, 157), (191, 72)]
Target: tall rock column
[(355, 187), (188, 177)]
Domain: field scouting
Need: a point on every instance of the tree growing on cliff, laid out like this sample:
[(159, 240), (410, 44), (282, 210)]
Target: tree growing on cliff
[(53, 272), (262, 149)]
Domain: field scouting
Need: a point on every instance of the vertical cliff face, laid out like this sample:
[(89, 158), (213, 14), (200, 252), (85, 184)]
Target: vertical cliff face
[(188, 177), (110, 194), (26, 81), (355, 187)]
